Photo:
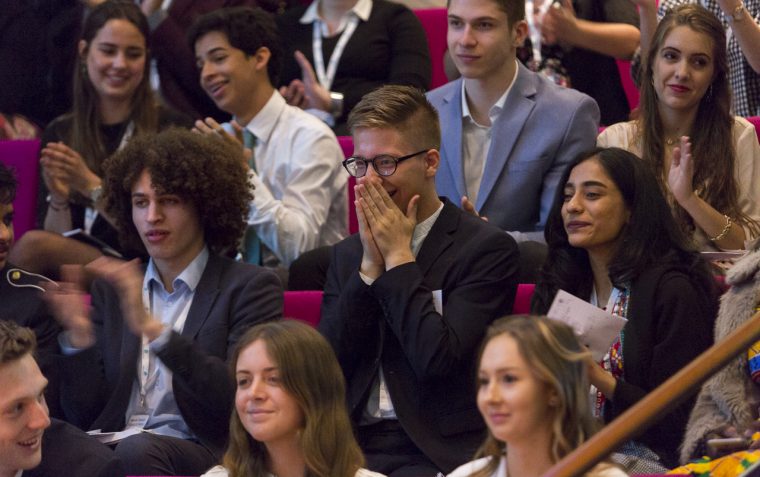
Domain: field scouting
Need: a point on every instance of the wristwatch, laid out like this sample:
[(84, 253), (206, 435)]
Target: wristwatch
[(336, 104), (95, 194), (737, 15)]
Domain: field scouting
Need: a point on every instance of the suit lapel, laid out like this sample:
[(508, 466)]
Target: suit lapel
[(506, 130), (205, 295), (439, 238), (452, 140)]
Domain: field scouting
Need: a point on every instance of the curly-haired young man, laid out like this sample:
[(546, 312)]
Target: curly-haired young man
[(153, 354)]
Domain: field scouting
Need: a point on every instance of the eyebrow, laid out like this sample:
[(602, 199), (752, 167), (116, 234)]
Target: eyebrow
[(699, 53), (587, 184)]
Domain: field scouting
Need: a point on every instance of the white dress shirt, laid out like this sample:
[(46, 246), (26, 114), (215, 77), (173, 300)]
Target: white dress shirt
[(300, 197), (476, 141)]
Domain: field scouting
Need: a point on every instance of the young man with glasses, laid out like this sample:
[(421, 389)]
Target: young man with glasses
[(409, 297)]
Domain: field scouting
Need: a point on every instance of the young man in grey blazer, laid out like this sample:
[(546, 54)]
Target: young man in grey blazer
[(509, 132)]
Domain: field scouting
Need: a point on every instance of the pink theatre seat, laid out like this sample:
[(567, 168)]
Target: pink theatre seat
[(347, 144), (23, 157), (631, 91), (303, 305), (755, 120), (521, 306), (435, 23)]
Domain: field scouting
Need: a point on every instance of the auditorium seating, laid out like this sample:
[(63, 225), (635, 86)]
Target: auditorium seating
[(22, 156), (435, 23)]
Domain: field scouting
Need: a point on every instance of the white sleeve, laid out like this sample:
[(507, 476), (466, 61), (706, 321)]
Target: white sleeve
[(313, 179), (747, 169)]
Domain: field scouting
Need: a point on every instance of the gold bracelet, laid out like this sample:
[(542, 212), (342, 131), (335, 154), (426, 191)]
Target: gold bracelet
[(725, 230)]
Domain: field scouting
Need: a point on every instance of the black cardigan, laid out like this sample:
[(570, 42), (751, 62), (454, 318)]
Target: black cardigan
[(670, 322)]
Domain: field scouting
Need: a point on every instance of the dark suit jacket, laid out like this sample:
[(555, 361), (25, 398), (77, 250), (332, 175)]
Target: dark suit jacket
[(538, 132), (428, 359), (20, 301), (68, 451), (230, 298)]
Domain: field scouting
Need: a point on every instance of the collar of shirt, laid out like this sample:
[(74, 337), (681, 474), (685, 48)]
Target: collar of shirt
[(422, 230), (362, 9), (190, 276), (265, 120), (495, 110)]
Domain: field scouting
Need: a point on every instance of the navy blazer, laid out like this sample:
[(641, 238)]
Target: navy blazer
[(67, 450), (428, 359), (230, 298), (541, 128)]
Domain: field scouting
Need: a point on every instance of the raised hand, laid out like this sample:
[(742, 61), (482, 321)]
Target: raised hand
[(66, 301), (315, 95), (681, 172), (68, 166), (127, 280), (372, 264), (469, 207), (294, 93), (391, 228), (559, 23)]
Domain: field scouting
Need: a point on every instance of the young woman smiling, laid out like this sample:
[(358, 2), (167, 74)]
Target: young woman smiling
[(613, 241), (533, 395), (706, 161), (290, 417), (112, 103)]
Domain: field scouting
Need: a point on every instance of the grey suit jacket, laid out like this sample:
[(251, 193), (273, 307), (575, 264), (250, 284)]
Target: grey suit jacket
[(230, 298), (540, 129)]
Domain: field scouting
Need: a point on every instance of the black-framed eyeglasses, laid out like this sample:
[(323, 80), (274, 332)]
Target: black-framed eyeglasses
[(384, 164)]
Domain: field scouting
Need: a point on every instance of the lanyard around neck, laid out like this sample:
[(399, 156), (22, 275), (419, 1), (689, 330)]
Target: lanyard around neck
[(326, 78)]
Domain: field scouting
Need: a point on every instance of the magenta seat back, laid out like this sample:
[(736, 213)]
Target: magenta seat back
[(23, 157), (523, 296), (347, 144), (755, 120), (435, 22), (631, 91), (303, 305)]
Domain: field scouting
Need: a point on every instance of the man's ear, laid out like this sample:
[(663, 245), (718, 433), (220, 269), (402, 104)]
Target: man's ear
[(519, 33), (261, 57), (432, 161)]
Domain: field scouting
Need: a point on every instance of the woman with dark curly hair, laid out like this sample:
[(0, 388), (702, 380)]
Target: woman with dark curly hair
[(153, 354), (290, 413), (706, 161), (113, 103), (612, 241)]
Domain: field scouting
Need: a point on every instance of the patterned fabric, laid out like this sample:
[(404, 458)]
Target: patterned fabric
[(613, 360), (732, 465), (745, 83)]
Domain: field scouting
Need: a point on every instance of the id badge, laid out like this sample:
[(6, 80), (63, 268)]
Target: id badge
[(137, 420)]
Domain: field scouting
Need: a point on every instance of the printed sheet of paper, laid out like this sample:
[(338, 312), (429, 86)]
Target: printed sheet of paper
[(595, 328), (114, 437)]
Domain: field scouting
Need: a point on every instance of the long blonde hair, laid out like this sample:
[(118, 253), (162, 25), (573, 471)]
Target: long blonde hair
[(556, 359), (310, 373)]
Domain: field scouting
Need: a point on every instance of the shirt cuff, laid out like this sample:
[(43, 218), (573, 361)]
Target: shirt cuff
[(325, 116), (66, 347)]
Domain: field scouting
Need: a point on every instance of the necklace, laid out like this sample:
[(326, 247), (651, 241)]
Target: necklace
[(671, 140)]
